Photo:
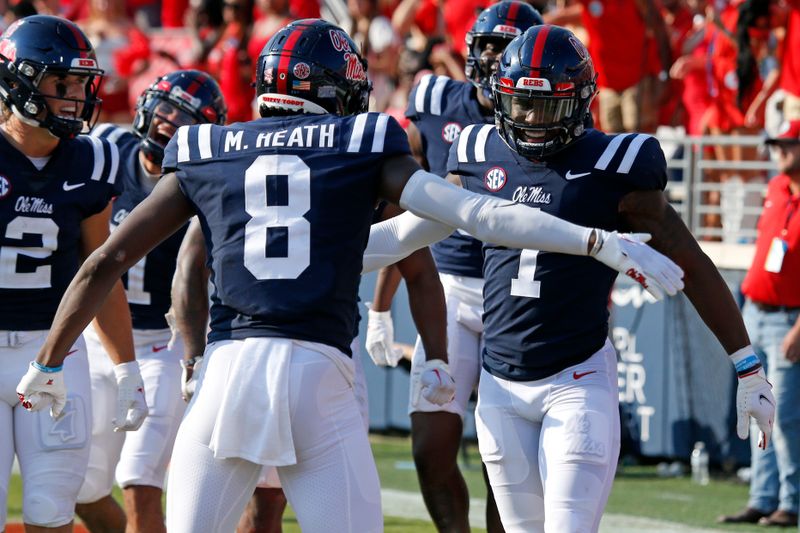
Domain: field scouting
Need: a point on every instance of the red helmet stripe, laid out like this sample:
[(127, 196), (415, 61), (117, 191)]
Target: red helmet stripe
[(538, 47), (286, 57), (512, 13), (196, 83), (80, 40)]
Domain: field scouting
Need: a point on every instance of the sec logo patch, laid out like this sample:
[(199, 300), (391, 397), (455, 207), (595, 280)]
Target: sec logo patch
[(451, 131), (495, 178), (5, 187)]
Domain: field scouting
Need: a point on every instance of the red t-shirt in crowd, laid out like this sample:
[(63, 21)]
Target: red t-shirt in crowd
[(780, 219), (304, 9), (459, 16), (617, 42), (227, 62), (724, 113), (790, 65)]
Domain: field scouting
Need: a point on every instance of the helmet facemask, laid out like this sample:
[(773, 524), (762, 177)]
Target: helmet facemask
[(162, 119), (539, 122), (482, 60)]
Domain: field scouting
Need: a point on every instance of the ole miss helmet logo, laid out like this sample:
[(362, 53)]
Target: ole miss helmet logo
[(495, 179), (451, 131)]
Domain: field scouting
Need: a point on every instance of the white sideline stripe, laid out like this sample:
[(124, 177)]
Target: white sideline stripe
[(358, 132), (99, 158), (406, 504), (380, 133), (611, 149), (204, 140), (422, 88), (480, 142), (436, 95), (463, 139), (183, 144), (631, 153)]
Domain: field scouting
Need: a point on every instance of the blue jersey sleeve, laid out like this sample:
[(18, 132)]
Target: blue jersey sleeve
[(378, 134), (635, 159)]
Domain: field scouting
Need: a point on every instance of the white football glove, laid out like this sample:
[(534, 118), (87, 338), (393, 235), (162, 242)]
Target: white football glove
[(131, 403), (628, 253), (189, 375), (42, 386), (753, 396), (380, 339), (434, 383)]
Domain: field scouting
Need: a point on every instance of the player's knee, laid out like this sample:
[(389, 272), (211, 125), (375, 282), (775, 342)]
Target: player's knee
[(50, 506), (93, 489)]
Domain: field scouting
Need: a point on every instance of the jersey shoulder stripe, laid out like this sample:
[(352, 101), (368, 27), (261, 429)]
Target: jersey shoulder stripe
[(429, 95), (635, 142), (112, 132), (631, 153), (480, 134), (105, 159), (195, 142), (368, 132)]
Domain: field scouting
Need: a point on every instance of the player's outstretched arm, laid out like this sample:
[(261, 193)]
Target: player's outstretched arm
[(650, 212), (509, 224), (113, 327), (113, 321), (156, 218), (190, 302)]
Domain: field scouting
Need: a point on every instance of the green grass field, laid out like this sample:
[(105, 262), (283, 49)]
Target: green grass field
[(638, 491)]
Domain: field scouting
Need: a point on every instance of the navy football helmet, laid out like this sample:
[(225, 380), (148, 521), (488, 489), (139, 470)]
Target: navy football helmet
[(178, 99), (311, 66), (542, 90), (34, 47), (498, 24)]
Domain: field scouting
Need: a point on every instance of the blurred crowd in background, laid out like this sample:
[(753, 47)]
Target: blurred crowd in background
[(711, 67)]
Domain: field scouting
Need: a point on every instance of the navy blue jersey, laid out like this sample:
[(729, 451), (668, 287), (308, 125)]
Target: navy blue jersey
[(441, 108), (544, 312), (285, 204), (40, 224), (148, 282)]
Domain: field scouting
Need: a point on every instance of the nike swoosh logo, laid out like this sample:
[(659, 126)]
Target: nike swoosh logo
[(579, 375), (762, 397), (570, 176), (73, 186), (157, 349)]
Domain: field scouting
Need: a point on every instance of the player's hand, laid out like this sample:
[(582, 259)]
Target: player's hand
[(131, 403), (753, 397), (42, 386), (433, 383), (628, 253), (191, 368), (380, 339)]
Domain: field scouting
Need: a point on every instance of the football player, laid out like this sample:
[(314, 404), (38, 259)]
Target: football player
[(140, 459), (55, 190), (439, 108), (285, 203), (547, 415), (265, 509)]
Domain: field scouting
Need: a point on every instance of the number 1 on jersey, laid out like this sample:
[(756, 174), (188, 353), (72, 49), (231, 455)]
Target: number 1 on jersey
[(277, 193)]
